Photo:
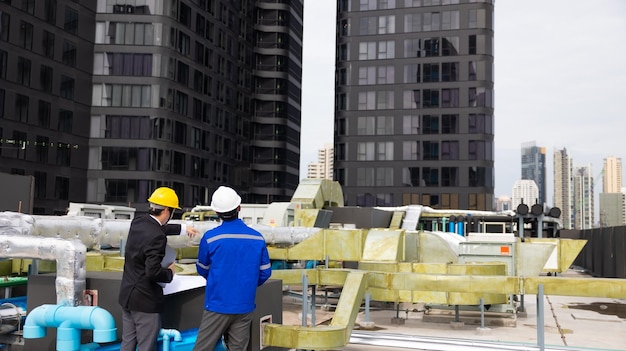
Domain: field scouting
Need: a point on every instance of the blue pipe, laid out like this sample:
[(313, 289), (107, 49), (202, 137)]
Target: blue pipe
[(69, 320), (167, 334)]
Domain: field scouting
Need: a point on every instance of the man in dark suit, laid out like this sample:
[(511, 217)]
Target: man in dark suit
[(141, 296)]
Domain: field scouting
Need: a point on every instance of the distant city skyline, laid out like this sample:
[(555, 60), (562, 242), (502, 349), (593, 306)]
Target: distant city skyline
[(527, 105)]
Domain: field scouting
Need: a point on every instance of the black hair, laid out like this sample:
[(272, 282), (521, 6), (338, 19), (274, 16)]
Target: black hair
[(157, 211), (230, 215)]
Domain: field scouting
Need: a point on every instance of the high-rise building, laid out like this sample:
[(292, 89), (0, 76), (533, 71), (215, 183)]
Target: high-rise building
[(323, 168), (102, 101), (612, 175), (525, 191), (534, 167), (612, 209), (583, 191), (46, 60), (414, 103), (563, 186), (503, 203), (612, 206)]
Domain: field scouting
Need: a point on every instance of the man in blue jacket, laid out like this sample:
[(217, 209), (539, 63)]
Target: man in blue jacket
[(234, 260)]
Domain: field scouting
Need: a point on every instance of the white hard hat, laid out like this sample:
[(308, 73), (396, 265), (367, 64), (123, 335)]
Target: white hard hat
[(225, 199)]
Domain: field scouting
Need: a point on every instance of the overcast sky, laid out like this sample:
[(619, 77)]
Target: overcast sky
[(560, 81)]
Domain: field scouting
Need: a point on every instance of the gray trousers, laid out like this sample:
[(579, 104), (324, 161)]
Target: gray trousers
[(140, 330), (235, 328)]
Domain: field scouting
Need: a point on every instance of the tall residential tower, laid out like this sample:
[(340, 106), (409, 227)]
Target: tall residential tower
[(414, 103), (563, 197), (534, 168)]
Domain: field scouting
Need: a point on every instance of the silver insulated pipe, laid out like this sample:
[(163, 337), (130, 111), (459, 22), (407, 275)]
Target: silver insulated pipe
[(17, 241)]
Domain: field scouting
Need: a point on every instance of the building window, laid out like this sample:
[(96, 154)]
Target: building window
[(476, 150), (410, 125), (367, 50), (50, 11), (410, 150), (430, 176), (386, 49), (3, 64), (71, 21), (45, 78), (449, 176), (450, 46), (61, 188), (1, 104), (43, 117), (431, 47), (449, 124), (21, 107), (26, 35), (28, 6), (65, 121), (472, 45), (449, 71), (123, 64), (386, 24), (5, 19), (431, 72), (367, 100), (450, 20), (450, 97), (365, 151), (412, 73), (126, 33), (384, 100), (64, 153), (471, 70), (411, 176), (185, 15), (48, 44), (67, 88), (450, 150), (23, 71), (430, 124), (128, 127), (385, 151), (476, 123), (412, 48), (69, 53), (20, 139), (430, 150), (413, 22), (40, 184), (430, 98), (41, 149), (477, 176)]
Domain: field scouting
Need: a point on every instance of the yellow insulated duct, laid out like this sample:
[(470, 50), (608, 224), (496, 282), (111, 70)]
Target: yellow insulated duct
[(357, 283), (333, 336)]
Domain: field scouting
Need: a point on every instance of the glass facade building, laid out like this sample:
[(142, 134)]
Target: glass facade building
[(414, 106), (110, 99)]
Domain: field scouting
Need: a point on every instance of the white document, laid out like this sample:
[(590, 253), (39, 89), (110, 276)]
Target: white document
[(169, 258), (183, 283)]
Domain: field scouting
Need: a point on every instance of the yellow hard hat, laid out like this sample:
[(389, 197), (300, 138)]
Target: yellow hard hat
[(164, 196)]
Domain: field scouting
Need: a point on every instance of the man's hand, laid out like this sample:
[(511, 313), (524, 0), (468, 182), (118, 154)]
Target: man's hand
[(172, 267), (191, 232)]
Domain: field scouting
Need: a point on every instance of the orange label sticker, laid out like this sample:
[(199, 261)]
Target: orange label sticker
[(504, 250)]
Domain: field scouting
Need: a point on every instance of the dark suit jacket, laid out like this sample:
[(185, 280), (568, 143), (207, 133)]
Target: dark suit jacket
[(145, 249)]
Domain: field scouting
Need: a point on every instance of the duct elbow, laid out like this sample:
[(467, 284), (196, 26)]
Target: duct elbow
[(171, 333), (35, 324), (103, 325), (68, 319)]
